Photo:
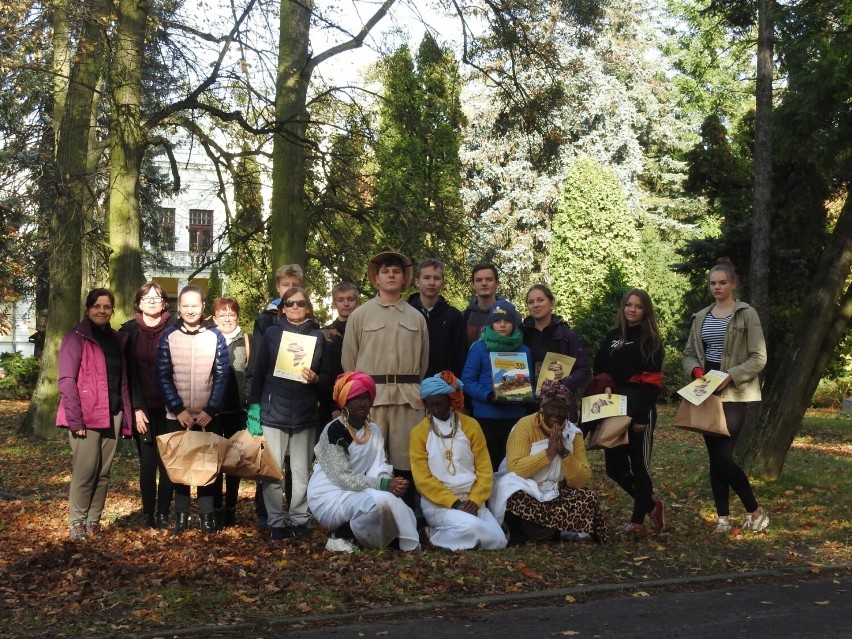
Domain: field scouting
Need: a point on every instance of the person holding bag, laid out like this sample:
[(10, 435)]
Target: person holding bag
[(727, 336), (144, 332), (192, 371), (629, 362), (232, 416), (95, 407)]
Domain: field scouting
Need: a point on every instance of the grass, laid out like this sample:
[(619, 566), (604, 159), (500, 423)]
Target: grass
[(133, 580)]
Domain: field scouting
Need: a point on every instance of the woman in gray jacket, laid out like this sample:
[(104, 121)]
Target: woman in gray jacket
[(727, 336)]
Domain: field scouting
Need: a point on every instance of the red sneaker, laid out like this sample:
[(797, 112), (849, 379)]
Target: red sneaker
[(658, 518)]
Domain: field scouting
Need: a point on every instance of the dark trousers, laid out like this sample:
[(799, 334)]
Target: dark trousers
[(228, 424), (725, 473), (496, 433), (156, 497), (629, 466)]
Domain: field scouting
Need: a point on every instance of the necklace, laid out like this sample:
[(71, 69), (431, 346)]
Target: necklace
[(344, 417), (448, 452), (539, 421)]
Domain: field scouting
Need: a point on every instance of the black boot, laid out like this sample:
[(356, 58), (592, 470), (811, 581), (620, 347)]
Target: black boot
[(208, 523), (162, 521), (219, 518), (181, 522), (150, 522), (229, 517)]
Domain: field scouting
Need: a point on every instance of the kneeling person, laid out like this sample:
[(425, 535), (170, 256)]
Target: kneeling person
[(543, 493), (352, 491), (452, 470)]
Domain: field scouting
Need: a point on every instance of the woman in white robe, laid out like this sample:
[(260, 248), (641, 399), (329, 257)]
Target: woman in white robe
[(352, 491)]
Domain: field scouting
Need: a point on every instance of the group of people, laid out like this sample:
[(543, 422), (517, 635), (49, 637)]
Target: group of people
[(391, 432)]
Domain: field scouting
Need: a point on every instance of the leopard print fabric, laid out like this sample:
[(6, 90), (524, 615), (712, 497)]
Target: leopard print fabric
[(575, 509)]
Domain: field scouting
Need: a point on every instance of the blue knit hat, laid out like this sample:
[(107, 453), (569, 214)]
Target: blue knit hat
[(504, 310)]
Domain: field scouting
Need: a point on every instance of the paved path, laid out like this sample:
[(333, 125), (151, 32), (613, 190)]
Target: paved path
[(818, 607)]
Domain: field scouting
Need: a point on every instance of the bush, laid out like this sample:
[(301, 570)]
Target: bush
[(673, 377), (18, 375), (830, 392)]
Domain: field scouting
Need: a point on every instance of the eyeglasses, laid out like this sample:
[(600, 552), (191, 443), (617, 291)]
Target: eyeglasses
[(151, 300), (226, 316), (299, 303)]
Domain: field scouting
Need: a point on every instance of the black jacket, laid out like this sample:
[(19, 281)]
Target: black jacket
[(447, 336), (285, 404)]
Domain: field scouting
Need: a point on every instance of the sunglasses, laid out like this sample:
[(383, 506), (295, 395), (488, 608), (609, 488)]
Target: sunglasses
[(292, 303)]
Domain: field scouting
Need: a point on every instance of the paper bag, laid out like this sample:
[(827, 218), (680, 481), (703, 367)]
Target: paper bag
[(609, 432), (248, 457), (192, 457), (708, 418)]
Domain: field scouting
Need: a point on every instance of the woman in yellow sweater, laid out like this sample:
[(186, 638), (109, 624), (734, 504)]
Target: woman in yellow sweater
[(543, 493), (452, 470)]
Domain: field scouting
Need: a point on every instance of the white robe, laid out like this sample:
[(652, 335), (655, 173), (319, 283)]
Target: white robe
[(450, 528), (376, 517)]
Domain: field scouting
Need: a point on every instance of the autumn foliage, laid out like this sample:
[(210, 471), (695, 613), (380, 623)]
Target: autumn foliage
[(129, 579)]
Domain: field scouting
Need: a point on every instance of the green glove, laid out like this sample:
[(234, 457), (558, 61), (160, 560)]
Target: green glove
[(253, 422)]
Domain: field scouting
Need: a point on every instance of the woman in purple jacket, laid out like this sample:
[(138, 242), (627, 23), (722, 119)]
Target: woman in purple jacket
[(94, 406)]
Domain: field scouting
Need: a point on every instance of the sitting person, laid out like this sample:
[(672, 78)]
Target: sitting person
[(452, 470), (352, 491), (543, 493)]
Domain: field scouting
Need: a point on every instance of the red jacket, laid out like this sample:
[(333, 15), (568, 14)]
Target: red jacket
[(83, 386)]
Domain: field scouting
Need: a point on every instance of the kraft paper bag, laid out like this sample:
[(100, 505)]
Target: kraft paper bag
[(192, 457), (248, 457), (707, 418), (609, 432)]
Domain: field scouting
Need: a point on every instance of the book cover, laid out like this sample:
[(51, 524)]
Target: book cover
[(295, 353), (700, 389), (510, 375), (554, 366), (603, 405)]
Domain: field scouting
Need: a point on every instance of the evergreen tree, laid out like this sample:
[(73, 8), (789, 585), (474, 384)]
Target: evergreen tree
[(595, 248), (418, 180)]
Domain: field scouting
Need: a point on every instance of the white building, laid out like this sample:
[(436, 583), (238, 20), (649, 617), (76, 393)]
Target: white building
[(193, 221)]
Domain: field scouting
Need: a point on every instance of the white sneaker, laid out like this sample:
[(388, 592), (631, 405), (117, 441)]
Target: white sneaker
[(336, 544), (757, 521), (723, 526)]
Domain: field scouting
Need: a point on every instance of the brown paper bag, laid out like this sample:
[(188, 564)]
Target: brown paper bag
[(192, 457), (609, 432), (248, 457), (708, 418)]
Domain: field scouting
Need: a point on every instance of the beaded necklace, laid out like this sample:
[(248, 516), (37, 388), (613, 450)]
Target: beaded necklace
[(344, 418), (448, 452)]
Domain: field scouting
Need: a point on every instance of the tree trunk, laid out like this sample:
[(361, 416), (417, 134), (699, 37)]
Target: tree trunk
[(764, 447), (288, 224), (126, 152), (65, 225), (761, 215)]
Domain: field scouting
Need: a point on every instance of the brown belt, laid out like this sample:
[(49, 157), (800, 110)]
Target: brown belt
[(393, 380)]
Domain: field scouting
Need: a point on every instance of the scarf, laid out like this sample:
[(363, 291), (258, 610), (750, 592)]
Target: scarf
[(496, 343)]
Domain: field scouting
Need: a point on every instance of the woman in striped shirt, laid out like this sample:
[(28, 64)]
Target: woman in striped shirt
[(727, 336)]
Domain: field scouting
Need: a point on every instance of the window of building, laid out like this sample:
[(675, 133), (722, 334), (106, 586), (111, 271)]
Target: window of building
[(200, 230), (166, 238)]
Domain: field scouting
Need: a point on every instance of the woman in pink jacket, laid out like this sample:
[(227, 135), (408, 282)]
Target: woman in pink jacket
[(94, 406)]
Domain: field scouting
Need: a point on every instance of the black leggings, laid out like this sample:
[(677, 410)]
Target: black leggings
[(156, 497), (725, 473), (629, 466)]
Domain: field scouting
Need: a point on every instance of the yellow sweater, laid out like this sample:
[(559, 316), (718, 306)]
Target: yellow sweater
[(575, 466), (430, 486)]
